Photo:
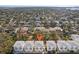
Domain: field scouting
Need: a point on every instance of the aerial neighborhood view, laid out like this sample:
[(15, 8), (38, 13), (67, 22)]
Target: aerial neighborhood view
[(39, 30)]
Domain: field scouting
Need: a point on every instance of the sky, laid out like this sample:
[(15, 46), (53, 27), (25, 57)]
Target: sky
[(59, 3)]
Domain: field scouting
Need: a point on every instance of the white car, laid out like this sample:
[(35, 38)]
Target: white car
[(75, 37), (74, 47), (28, 47), (62, 46), (51, 45), (18, 47), (39, 47)]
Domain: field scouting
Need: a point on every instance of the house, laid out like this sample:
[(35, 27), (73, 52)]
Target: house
[(55, 29), (23, 30), (22, 22), (39, 28), (37, 23), (37, 17), (1, 28), (16, 30), (64, 18), (58, 28)]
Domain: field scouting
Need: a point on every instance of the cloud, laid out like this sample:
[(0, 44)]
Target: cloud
[(40, 2)]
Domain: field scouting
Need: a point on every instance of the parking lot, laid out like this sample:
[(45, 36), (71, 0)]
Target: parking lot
[(50, 47)]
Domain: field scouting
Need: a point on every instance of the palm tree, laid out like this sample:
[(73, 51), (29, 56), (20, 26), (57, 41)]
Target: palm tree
[(54, 36)]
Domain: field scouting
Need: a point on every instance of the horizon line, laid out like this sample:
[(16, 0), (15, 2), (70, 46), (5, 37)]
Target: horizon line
[(39, 6)]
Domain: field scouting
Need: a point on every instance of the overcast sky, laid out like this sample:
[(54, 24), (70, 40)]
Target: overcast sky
[(40, 2)]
